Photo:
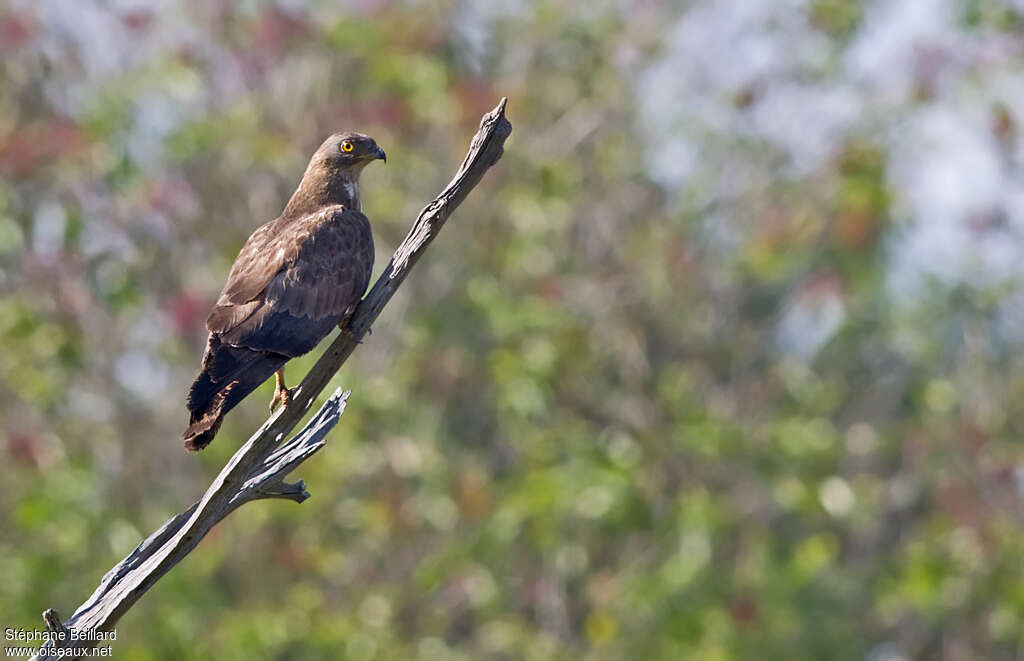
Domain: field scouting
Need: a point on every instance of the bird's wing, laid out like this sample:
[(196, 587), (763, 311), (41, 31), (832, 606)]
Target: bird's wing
[(264, 254), (291, 285)]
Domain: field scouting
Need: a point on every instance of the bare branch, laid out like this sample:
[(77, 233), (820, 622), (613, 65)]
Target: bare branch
[(53, 622), (258, 469)]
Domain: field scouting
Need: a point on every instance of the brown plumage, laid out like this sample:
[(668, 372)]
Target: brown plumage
[(294, 280)]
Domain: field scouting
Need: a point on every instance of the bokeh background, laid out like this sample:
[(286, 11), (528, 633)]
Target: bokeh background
[(722, 361)]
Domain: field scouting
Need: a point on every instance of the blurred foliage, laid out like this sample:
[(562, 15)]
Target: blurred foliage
[(607, 417)]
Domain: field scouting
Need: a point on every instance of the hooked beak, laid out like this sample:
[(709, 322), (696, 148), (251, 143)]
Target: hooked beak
[(379, 153)]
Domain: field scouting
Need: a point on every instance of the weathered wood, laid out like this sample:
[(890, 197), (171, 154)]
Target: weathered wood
[(258, 469)]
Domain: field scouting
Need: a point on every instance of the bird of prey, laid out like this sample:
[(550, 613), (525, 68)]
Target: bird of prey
[(295, 279)]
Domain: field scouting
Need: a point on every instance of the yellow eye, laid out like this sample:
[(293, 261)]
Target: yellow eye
[(347, 146)]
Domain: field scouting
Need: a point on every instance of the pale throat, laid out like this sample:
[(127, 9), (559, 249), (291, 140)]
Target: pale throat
[(352, 192), (321, 189), (340, 187)]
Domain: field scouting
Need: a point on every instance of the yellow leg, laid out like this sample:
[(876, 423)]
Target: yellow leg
[(281, 392)]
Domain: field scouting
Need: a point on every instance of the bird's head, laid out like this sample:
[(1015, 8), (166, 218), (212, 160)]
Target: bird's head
[(332, 176), (348, 153)]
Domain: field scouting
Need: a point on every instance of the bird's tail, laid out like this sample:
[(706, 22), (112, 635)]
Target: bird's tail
[(229, 374)]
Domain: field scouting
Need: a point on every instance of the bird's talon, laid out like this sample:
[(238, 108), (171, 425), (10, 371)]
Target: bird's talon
[(283, 397), (347, 331), (282, 394)]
